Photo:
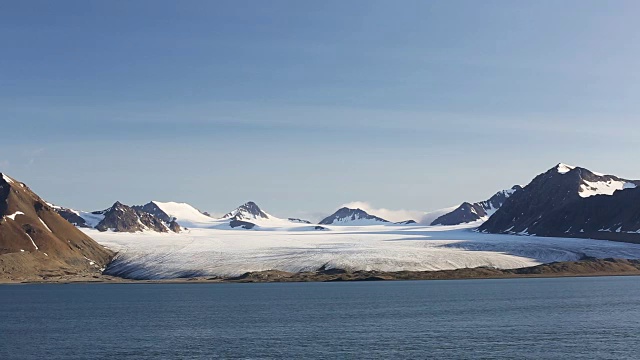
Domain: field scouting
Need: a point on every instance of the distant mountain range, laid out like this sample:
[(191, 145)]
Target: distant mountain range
[(169, 216), (565, 201)]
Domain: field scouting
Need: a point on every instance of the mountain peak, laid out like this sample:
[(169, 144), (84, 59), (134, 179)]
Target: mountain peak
[(348, 216), (540, 204), (124, 218), (470, 212), (247, 211), (564, 168)]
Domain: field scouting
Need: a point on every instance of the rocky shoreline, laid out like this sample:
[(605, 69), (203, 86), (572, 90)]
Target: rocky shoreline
[(582, 268)]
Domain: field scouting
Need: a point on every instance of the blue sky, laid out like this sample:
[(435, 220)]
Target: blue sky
[(304, 106)]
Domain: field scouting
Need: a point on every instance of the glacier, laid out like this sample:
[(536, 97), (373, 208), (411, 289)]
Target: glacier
[(213, 250)]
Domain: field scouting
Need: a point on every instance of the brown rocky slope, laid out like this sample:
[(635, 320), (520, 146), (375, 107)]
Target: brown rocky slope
[(37, 243)]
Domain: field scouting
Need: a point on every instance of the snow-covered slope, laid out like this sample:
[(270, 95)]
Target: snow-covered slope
[(205, 252), (185, 214)]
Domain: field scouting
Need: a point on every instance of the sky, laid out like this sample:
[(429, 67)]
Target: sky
[(303, 106)]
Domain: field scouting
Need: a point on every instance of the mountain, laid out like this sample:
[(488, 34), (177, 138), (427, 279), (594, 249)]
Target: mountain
[(428, 217), (35, 241), (470, 212), (182, 213), (568, 201), (248, 216), (123, 218), (247, 211), (347, 216)]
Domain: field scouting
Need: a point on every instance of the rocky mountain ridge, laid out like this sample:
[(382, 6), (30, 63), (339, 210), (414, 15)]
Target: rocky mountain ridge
[(470, 212), (568, 201)]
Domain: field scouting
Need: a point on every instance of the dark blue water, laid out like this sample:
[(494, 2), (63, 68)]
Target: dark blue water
[(587, 318)]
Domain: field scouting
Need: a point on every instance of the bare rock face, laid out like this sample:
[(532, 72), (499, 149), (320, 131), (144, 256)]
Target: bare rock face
[(120, 218), (153, 209), (35, 241), (152, 222), (123, 218), (174, 226)]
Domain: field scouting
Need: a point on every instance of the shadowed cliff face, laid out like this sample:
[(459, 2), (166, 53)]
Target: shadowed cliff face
[(36, 240), (572, 202)]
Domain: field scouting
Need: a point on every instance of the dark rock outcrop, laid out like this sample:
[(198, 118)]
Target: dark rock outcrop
[(174, 226), (241, 224), (301, 221), (153, 209), (123, 218), (406, 222)]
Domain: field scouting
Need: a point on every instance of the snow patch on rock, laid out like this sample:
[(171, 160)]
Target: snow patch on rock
[(13, 216)]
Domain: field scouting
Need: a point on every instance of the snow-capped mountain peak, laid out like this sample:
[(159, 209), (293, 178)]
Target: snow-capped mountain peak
[(247, 211), (564, 168)]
